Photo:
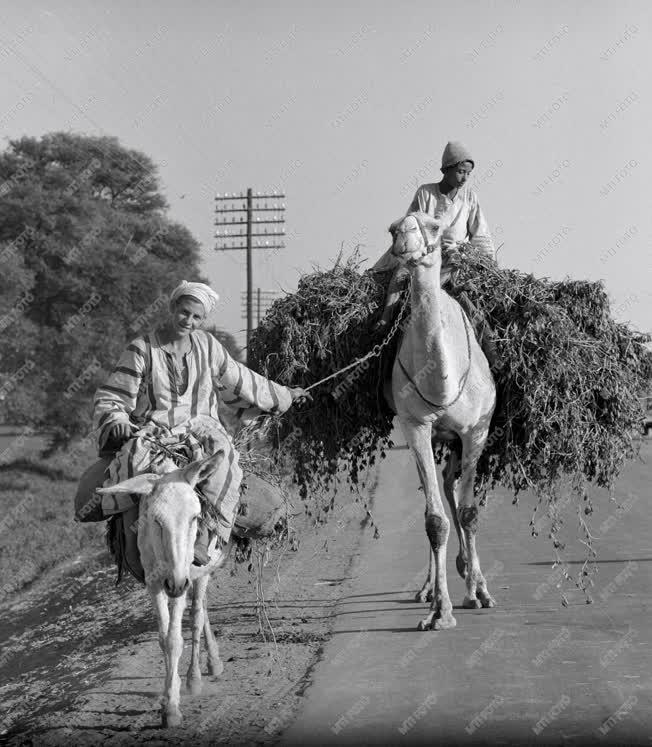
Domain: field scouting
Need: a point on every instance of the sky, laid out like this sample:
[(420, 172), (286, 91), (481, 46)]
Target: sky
[(347, 108)]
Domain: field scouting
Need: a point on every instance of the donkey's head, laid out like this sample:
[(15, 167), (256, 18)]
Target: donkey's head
[(167, 524), (416, 239)]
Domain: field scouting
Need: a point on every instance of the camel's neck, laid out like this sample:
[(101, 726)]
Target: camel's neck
[(426, 335)]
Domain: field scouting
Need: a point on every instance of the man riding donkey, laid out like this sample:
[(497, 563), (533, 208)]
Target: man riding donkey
[(455, 206), (161, 401)]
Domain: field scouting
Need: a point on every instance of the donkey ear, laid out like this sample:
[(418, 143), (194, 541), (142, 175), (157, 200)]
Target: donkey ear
[(199, 471), (141, 484)]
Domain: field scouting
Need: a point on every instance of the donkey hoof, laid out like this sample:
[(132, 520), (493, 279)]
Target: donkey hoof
[(171, 718), (460, 563), (424, 624), (215, 668), (487, 600), (471, 603), (444, 623)]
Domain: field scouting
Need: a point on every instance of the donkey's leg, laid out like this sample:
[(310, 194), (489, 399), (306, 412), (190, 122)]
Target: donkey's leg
[(450, 486), (215, 665), (174, 644), (476, 586), (437, 524), (193, 677), (160, 601)]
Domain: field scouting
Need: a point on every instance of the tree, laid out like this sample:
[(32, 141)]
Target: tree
[(228, 340), (88, 257)]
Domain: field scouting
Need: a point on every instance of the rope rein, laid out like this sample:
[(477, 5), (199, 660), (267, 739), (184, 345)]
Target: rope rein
[(376, 350), (463, 378)]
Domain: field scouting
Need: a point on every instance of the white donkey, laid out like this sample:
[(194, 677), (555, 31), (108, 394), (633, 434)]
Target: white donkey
[(167, 528)]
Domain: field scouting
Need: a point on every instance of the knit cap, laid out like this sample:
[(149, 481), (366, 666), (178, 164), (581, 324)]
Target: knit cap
[(455, 152)]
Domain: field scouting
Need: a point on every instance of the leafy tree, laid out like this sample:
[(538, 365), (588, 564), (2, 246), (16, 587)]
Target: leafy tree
[(229, 342), (87, 257)]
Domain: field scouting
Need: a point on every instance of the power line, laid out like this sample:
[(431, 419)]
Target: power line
[(246, 231)]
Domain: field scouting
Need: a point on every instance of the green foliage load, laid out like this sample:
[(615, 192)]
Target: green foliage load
[(307, 336), (568, 377)]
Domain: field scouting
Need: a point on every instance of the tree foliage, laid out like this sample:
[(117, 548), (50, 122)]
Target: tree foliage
[(228, 341), (87, 258)]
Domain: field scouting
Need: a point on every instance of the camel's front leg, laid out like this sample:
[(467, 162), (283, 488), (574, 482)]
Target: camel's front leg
[(450, 481), (450, 491), (477, 594), (426, 593), (171, 712), (437, 524), (193, 678)]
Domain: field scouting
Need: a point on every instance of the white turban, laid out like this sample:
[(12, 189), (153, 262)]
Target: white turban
[(200, 292)]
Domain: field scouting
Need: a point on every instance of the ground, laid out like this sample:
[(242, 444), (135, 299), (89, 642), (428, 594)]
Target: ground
[(79, 658), (543, 667), (80, 663)]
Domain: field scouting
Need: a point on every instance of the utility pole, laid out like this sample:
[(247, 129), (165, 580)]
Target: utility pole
[(243, 232), (263, 301)]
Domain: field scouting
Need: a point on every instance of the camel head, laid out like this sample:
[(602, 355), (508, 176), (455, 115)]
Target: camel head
[(416, 239), (167, 523)]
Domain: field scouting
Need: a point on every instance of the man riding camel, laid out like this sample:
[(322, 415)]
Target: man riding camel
[(455, 205)]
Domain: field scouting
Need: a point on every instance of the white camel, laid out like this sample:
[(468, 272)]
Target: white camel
[(167, 528), (441, 390)]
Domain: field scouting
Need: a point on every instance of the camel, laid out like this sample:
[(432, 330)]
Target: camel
[(168, 513), (441, 389)]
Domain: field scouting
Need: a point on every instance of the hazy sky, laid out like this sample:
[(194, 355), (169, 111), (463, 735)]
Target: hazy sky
[(347, 107)]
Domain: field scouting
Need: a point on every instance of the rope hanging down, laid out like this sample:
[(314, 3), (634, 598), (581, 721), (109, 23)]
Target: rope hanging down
[(377, 349)]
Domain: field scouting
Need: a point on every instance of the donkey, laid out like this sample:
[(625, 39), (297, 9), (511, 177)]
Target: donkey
[(168, 514)]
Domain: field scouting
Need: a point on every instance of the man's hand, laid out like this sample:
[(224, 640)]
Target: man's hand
[(300, 395), (121, 432), (447, 240)]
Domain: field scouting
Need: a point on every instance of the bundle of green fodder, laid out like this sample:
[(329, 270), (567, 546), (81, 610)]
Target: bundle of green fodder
[(568, 377), (307, 336)]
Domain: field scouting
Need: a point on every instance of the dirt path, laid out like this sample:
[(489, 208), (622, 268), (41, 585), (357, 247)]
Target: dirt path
[(80, 663)]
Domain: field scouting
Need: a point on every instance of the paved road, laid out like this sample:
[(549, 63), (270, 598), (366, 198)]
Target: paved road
[(529, 670)]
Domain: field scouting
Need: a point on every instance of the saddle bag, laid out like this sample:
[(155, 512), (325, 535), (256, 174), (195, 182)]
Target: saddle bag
[(88, 503), (262, 506)]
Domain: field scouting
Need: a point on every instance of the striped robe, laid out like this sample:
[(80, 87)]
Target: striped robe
[(143, 390)]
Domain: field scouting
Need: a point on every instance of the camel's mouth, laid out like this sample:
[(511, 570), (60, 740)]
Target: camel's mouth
[(411, 257)]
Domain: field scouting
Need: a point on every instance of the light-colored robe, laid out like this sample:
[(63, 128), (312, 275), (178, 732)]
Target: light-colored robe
[(461, 220), (143, 390)]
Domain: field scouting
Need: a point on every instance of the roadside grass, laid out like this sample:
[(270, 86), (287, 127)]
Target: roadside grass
[(37, 528)]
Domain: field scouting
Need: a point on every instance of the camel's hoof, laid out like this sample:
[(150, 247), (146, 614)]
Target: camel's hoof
[(460, 563), (215, 668), (194, 685), (470, 603), (423, 596), (444, 623), (487, 601), (171, 718)]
